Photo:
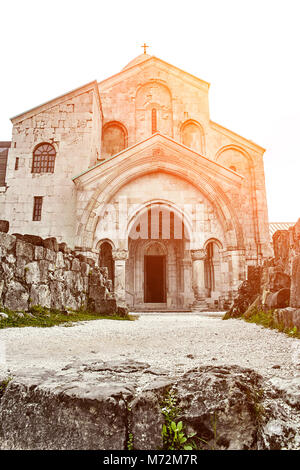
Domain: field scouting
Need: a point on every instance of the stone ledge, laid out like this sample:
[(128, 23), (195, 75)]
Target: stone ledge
[(98, 405)]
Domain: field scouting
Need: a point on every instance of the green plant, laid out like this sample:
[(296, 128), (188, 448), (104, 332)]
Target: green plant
[(45, 317), (293, 331), (130, 442), (173, 433), (266, 319), (4, 384), (174, 436)]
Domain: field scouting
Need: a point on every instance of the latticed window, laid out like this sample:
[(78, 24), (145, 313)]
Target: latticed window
[(43, 159), (37, 208)]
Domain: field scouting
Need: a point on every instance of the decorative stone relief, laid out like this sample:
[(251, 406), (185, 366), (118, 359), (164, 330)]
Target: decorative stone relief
[(199, 254), (121, 255)]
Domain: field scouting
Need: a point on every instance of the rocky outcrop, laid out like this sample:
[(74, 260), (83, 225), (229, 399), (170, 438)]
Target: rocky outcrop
[(247, 292), (275, 285), (41, 272), (282, 272), (100, 405), (295, 287)]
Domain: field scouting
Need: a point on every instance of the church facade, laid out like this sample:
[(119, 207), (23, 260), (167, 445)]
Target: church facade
[(133, 172)]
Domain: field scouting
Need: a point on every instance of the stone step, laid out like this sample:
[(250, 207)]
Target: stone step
[(160, 310)]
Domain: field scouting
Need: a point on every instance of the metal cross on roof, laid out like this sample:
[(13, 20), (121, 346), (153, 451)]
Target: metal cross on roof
[(145, 47)]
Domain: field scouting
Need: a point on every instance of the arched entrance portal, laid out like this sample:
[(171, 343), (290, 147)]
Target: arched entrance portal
[(158, 269)]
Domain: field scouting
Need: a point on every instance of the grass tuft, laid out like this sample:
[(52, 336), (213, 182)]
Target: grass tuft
[(267, 320), (43, 317)]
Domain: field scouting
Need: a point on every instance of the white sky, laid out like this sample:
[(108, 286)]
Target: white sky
[(248, 50)]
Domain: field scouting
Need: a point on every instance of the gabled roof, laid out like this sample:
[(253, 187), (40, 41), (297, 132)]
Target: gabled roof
[(144, 60), (60, 99), (159, 141)]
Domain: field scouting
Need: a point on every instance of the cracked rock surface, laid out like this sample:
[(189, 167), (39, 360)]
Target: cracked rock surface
[(96, 405), (93, 385)]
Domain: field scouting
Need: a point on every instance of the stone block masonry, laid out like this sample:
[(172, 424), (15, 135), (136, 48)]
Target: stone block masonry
[(41, 272)]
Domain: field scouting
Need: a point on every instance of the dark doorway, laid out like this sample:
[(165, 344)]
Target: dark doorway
[(154, 268)]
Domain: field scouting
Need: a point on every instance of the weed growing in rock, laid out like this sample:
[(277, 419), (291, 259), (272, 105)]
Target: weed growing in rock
[(130, 442), (173, 433), (3, 385)]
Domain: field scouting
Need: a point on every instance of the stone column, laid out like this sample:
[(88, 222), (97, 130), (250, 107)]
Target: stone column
[(198, 283), (188, 293), (237, 269), (120, 257)]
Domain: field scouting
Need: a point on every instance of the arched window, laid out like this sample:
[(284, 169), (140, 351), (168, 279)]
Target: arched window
[(43, 159), (154, 121)]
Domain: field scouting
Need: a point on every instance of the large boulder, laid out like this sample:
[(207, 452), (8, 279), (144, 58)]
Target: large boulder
[(99, 405), (218, 404), (51, 244), (280, 299), (287, 317), (33, 239), (278, 280), (247, 292), (40, 295), (16, 297), (7, 243)]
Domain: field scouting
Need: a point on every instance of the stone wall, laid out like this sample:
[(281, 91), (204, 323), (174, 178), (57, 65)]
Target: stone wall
[(281, 274), (41, 272), (276, 284), (281, 289)]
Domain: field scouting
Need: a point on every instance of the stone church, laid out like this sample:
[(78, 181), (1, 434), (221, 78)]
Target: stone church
[(133, 172)]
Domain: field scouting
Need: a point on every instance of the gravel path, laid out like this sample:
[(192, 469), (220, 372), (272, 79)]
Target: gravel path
[(168, 341)]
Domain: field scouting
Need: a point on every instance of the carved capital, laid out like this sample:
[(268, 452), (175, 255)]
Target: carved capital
[(120, 255), (198, 254)]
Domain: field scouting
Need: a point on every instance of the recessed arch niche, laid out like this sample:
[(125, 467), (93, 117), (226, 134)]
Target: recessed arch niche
[(114, 138), (153, 98), (192, 136), (236, 160)]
